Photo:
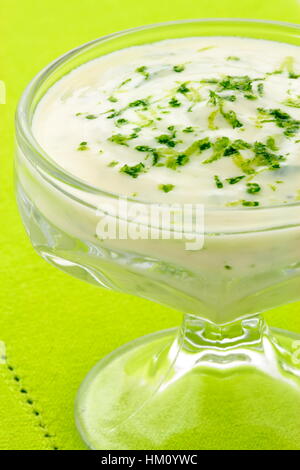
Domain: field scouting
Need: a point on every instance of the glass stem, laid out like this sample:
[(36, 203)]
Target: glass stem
[(198, 334), (200, 343)]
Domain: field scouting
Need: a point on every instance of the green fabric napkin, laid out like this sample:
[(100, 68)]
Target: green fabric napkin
[(54, 327)]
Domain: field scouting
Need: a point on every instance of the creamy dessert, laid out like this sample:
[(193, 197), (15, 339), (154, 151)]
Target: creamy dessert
[(209, 120), (214, 120)]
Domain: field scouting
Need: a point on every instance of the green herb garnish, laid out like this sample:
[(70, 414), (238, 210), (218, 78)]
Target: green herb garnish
[(178, 68), (166, 187), (174, 103), (91, 116), (112, 99), (166, 139), (143, 71), (122, 139), (83, 146), (218, 182), (250, 203), (231, 118), (134, 170), (183, 89), (188, 129), (292, 102), (139, 103), (120, 122), (271, 144), (235, 180), (144, 148), (125, 82), (253, 188), (218, 149), (282, 120)]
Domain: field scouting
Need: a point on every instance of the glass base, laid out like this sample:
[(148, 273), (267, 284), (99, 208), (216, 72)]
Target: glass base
[(196, 390)]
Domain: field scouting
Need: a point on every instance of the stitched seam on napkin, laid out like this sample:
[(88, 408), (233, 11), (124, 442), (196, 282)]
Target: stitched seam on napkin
[(29, 401)]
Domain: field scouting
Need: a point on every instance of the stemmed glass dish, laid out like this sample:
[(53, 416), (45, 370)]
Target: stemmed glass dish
[(175, 389)]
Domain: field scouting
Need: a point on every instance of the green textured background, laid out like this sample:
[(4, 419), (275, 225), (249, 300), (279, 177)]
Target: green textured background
[(55, 327)]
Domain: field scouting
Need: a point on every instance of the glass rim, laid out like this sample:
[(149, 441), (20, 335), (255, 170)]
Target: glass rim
[(43, 160)]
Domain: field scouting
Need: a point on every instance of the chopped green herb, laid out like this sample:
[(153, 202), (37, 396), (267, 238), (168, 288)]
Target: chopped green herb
[(235, 180), (288, 65), (183, 89), (247, 165), (207, 48), (188, 129), (166, 187), (122, 139), (292, 103), (260, 89), (216, 99), (182, 159), (144, 148), (253, 188), (198, 146), (209, 81), (178, 68), (113, 114), (250, 203), (219, 148), (138, 103), (231, 118), (250, 97), (234, 58), (174, 103), (113, 163), (271, 144), (240, 144), (120, 122), (231, 150), (112, 99), (166, 139), (204, 144), (177, 160), (91, 116), (265, 158), (213, 98), (240, 83), (143, 71), (134, 170), (282, 120), (218, 182), (211, 120), (155, 158), (125, 82), (244, 203), (83, 146)]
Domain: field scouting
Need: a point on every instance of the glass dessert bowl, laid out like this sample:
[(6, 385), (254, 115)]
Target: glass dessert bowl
[(224, 380)]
